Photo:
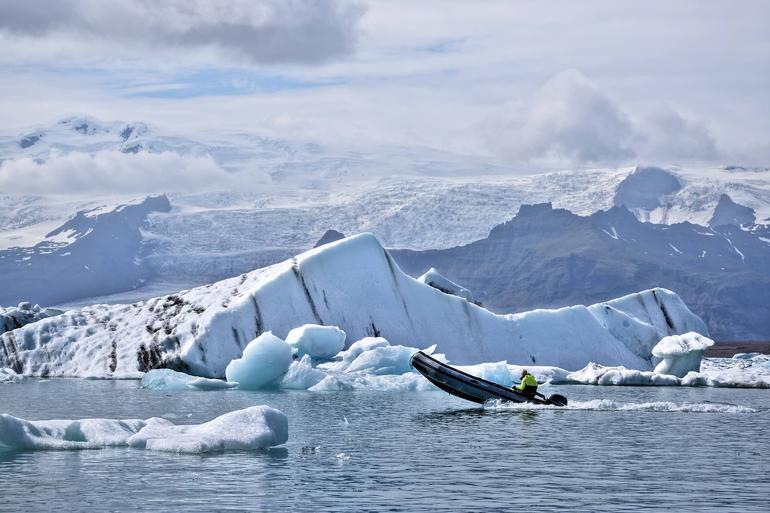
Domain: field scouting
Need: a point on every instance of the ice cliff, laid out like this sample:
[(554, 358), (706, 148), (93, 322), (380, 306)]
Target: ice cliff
[(353, 284)]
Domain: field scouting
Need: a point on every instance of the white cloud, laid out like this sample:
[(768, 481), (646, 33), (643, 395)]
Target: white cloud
[(668, 137), (265, 31), (113, 172), (570, 119)]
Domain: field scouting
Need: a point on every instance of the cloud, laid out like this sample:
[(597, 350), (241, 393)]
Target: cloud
[(667, 136), (261, 32), (569, 120), (115, 172)]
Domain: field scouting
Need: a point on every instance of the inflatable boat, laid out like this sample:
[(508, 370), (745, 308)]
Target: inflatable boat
[(472, 388)]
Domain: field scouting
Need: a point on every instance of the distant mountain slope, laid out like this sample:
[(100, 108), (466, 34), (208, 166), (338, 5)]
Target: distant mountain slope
[(96, 252), (547, 257)]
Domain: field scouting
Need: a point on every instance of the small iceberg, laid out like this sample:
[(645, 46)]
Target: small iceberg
[(320, 342), (263, 362), (257, 427), (681, 354)]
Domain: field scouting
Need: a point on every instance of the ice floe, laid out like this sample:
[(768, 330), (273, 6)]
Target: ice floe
[(167, 379), (252, 428)]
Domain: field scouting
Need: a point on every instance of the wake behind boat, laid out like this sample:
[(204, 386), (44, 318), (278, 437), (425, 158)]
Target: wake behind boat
[(472, 388)]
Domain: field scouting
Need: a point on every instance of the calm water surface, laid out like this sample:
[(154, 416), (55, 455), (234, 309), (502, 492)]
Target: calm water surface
[(404, 452)]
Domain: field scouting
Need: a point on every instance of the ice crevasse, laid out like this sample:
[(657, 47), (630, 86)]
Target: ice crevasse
[(353, 284)]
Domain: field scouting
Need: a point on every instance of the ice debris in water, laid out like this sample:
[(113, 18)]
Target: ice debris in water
[(681, 354), (252, 428), (264, 360), (302, 375), (596, 374), (167, 379), (320, 342), (9, 376)]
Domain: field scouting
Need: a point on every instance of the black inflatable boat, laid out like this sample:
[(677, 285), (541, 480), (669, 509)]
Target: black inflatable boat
[(471, 388)]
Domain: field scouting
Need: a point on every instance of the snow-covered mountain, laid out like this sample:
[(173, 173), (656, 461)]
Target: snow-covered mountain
[(351, 283), (546, 257), (96, 252), (295, 191)]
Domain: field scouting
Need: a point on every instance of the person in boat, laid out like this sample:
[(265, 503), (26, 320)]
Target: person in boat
[(528, 384)]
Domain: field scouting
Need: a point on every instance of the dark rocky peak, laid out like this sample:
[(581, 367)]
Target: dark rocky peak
[(329, 236), (644, 188), (727, 212), (30, 139)]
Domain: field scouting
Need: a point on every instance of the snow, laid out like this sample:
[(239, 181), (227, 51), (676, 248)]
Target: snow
[(320, 342), (434, 279), (353, 284), (252, 428), (681, 354), (264, 360)]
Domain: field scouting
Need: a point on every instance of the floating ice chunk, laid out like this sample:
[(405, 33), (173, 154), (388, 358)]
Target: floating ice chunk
[(410, 382), (498, 372), (252, 428), (9, 376), (729, 378), (320, 342), (746, 356), (384, 360), (438, 281), (681, 353), (211, 384), (264, 360), (167, 379), (20, 434), (257, 427), (595, 374), (301, 375), (365, 344), (543, 373)]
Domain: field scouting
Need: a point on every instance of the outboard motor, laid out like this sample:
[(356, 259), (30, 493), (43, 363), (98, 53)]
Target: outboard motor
[(556, 400)]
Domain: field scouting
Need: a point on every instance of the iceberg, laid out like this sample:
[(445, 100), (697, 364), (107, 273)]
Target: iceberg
[(680, 354), (354, 284), (320, 342), (252, 428), (264, 360)]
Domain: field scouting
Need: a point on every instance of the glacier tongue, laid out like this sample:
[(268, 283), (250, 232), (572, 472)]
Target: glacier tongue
[(354, 284)]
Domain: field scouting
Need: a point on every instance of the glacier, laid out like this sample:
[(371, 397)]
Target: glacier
[(353, 284), (256, 427)]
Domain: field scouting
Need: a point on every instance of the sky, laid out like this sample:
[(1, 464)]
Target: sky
[(535, 85)]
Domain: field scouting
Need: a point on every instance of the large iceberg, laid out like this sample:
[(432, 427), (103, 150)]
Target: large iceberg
[(252, 428), (680, 354), (353, 284)]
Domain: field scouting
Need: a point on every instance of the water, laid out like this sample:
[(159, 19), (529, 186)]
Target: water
[(377, 451)]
